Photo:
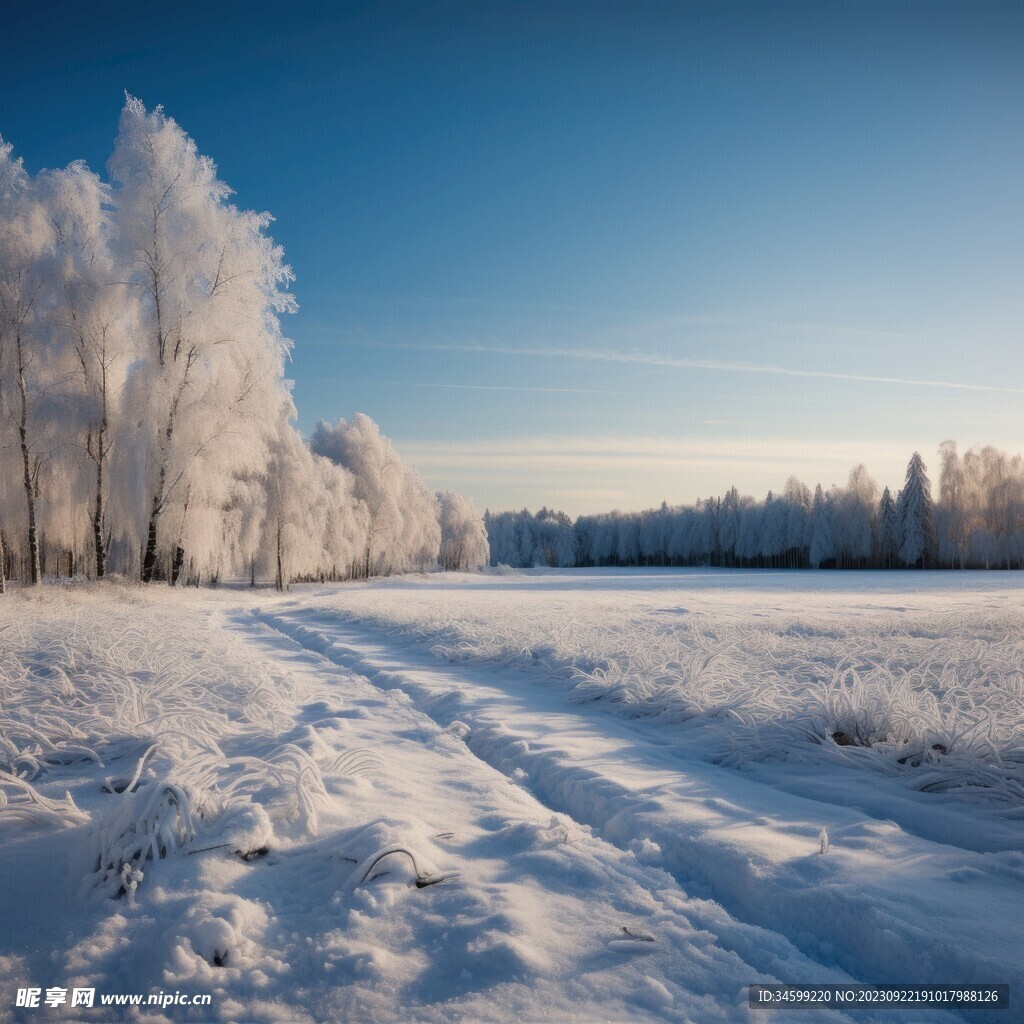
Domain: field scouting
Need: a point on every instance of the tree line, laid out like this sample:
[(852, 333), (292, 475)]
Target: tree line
[(146, 425), (976, 522)]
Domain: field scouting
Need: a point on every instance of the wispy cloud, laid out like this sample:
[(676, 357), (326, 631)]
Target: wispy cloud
[(532, 388), (443, 386), (686, 363), (642, 319), (535, 449)]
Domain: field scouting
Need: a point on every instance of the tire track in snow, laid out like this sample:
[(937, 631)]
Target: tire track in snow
[(761, 869), (768, 955)]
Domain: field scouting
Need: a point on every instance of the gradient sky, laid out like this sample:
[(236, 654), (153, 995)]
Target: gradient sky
[(596, 255)]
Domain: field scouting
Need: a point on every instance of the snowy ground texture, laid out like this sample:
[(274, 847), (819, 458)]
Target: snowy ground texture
[(477, 798)]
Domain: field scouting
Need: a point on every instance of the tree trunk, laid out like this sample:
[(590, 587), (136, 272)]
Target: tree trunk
[(149, 560), (252, 572), (177, 563), (280, 570), (98, 508), (33, 536), (3, 566), (97, 528)]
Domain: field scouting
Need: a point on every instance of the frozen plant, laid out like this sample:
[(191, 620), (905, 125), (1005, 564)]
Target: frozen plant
[(29, 807), (149, 824), (130, 878)]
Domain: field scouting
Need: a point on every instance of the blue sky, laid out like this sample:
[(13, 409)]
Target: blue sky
[(597, 255)]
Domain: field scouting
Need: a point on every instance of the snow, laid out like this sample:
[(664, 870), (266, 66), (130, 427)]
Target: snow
[(579, 796)]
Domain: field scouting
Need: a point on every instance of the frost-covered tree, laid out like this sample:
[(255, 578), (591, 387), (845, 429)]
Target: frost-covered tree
[(773, 531), (655, 530), (210, 285), (27, 365), (751, 527), (92, 317), (729, 527), (463, 535), (358, 445), (627, 547), (311, 525), (605, 543), (916, 524), (799, 502), (563, 544), (294, 525), (822, 545), (953, 507), (403, 531), (888, 531), (346, 521), (853, 519), (523, 540)]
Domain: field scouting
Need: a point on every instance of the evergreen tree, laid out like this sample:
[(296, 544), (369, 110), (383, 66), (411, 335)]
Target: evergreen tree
[(888, 531), (916, 517)]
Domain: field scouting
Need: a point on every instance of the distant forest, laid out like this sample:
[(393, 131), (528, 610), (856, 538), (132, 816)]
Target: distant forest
[(977, 522)]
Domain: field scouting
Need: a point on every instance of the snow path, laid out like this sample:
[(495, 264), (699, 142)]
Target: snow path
[(882, 905), (538, 901)]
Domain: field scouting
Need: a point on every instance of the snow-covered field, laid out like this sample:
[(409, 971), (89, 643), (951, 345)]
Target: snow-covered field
[(918, 676), (455, 797)]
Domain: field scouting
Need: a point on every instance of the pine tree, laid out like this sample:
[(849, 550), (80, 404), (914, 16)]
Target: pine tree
[(916, 517), (888, 530)]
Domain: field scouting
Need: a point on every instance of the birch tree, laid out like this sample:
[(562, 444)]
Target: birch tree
[(211, 285), (26, 240), (402, 528), (93, 314)]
